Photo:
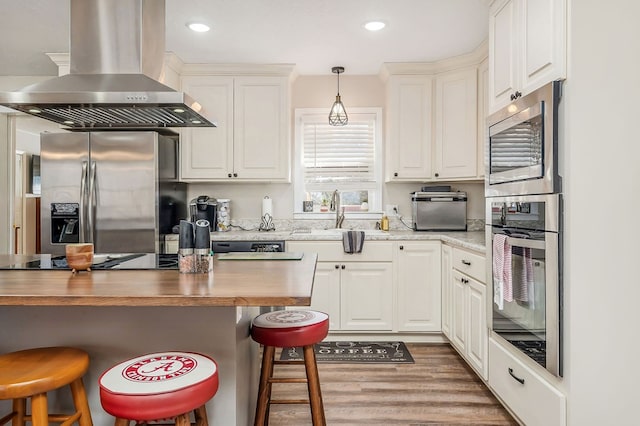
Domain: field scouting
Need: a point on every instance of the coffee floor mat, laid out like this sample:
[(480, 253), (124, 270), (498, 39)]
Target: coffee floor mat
[(353, 352)]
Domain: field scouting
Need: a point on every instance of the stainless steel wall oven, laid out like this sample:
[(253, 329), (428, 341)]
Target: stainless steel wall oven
[(522, 145), (525, 246)]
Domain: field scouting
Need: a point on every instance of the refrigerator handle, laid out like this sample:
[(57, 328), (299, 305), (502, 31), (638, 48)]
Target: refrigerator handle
[(92, 200), (83, 206)]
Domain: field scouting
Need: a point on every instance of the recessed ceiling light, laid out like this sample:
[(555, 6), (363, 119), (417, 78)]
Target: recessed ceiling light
[(375, 25), (198, 27)]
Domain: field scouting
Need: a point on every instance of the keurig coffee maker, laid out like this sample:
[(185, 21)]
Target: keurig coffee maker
[(204, 207)]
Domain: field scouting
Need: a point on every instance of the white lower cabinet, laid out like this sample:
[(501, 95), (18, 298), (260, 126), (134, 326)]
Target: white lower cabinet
[(468, 330), (356, 290), (419, 290), (534, 400)]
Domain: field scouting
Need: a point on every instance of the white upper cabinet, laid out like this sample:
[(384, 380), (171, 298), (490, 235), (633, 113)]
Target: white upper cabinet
[(207, 153), (409, 141), (432, 119), (251, 140), (527, 47), (456, 131)]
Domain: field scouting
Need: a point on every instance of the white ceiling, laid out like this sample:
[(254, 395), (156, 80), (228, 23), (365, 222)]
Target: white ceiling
[(313, 34)]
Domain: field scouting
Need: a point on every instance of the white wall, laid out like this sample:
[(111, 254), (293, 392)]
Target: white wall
[(602, 192)]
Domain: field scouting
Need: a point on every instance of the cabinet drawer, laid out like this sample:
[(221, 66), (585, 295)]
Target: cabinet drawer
[(333, 251), (535, 402), (470, 263)]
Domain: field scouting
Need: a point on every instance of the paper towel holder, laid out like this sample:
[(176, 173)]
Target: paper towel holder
[(266, 222)]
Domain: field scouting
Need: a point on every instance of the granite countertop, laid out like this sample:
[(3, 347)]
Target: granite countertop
[(472, 240)]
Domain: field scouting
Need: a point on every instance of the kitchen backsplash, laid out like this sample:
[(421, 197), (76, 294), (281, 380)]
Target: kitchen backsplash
[(395, 224)]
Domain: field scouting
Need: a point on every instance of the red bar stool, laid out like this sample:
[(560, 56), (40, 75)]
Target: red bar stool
[(281, 329), (32, 373), (158, 387)]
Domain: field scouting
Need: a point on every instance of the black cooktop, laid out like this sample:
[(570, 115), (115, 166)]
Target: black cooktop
[(139, 261)]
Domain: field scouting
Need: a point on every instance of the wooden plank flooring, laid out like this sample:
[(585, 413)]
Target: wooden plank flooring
[(439, 389)]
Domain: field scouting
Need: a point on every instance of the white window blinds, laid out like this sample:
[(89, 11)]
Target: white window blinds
[(343, 154)]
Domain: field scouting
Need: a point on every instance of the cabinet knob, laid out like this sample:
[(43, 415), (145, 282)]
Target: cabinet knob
[(229, 175), (395, 174), (518, 94), (337, 266), (235, 175), (437, 174), (464, 281), (342, 266), (466, 262), (401, 247)]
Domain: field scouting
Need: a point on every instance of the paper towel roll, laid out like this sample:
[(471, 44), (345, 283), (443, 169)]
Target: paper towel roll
[(267, 206)]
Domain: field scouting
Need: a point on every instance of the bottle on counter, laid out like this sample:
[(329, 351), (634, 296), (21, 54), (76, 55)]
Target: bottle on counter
[(384, 223)]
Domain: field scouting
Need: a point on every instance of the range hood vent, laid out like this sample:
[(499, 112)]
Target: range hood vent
[(116, 60)]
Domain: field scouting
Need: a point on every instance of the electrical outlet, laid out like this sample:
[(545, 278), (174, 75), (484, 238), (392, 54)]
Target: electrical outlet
[(392, 210)]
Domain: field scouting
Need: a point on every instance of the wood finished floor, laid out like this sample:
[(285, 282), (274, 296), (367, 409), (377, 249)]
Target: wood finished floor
[(439, 389)]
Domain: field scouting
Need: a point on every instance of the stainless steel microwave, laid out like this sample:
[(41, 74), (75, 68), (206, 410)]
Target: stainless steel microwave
[(522, 145)]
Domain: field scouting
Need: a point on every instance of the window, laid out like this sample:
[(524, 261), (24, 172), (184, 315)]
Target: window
[(346, 158)]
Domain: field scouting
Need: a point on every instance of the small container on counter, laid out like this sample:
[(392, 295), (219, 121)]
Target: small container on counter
[(186, 244), (203, 262)]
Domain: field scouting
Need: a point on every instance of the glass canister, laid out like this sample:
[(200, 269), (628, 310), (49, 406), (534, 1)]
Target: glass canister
[(224, 215)]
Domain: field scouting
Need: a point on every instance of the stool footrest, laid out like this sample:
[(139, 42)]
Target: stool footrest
[(288, 362), (289, 401), (287, 380), (8, 417)]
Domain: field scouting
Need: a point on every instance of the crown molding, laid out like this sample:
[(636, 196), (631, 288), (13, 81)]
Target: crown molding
[(475, 57)]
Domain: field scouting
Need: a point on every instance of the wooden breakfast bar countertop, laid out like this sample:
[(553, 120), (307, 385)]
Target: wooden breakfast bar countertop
[(232, 283)]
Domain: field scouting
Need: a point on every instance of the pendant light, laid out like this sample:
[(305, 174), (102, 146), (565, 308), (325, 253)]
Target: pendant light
[(338, 116)]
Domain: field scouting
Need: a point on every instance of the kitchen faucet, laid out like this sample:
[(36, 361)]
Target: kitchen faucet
[(335, 206)]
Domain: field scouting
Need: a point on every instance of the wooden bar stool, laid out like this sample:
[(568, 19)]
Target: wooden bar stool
[(34, 372), (281, 329), (160, 387)]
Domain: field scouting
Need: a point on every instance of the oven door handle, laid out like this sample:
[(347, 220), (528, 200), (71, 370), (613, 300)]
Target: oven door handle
[(522, 242)]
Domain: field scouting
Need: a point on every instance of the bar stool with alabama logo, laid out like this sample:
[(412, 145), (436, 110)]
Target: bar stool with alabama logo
[(282, 329), (163, 386)]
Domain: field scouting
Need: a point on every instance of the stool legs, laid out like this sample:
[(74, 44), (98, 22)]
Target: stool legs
[(264, 389), (313, 385), (80, 402), (200, 415), (20, 408), (39, 414)]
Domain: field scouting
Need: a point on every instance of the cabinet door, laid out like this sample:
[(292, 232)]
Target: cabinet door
[(543, 42), (366, 296), (207, 153), (326, 292), (409, 146), (447, 281), (459, 312), (502, 53), (419, 287), (261, 132), (455, 124), (478, 333)]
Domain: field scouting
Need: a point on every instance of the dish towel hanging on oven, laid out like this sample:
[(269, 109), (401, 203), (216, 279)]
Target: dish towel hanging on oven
[(352, 241), (502, 279), (522, 275)]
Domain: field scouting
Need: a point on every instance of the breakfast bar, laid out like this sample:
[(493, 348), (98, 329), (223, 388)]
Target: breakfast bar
[(118, 314)]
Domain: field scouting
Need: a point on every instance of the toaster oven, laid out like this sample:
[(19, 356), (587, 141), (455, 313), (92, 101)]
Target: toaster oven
[(439, 211)]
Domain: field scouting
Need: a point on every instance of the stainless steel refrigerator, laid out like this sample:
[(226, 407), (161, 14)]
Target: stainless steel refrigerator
[(103, 187)]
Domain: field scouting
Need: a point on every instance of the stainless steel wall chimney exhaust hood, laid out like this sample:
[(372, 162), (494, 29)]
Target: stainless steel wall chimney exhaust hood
[(116, 54)]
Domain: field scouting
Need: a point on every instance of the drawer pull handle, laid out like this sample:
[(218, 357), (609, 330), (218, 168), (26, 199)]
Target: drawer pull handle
[(517, 379), (466, 262)]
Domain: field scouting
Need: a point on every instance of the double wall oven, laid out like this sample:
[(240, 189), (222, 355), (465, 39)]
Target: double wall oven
[(524, 227)]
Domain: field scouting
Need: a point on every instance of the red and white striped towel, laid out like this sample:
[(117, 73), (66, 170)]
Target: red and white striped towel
[(502, 279)]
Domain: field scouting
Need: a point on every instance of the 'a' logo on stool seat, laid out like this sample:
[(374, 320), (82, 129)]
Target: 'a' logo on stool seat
[(159, 368)]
